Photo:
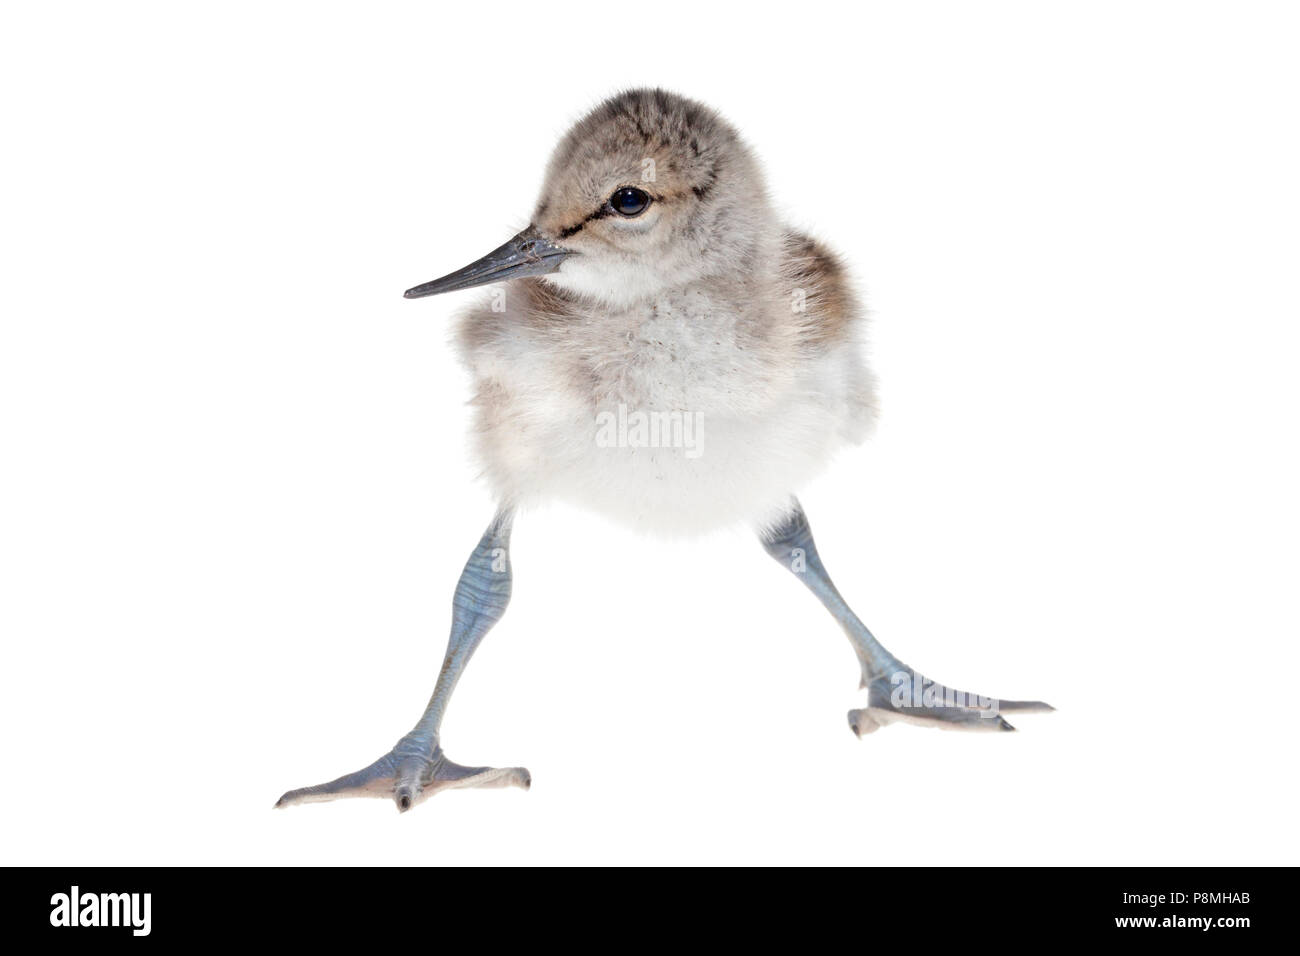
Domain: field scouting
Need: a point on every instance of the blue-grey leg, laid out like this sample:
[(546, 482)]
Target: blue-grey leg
[(894, 690), (416, 768)]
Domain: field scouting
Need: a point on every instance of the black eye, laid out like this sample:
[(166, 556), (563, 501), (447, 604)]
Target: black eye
[(628, 201)]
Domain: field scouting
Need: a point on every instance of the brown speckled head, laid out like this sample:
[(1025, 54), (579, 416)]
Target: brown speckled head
[(706, 205)]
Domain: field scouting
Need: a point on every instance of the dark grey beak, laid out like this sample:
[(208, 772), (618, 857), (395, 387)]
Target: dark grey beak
[(527, 254)]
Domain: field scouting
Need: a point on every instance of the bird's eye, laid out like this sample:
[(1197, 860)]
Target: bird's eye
[(628, 201)]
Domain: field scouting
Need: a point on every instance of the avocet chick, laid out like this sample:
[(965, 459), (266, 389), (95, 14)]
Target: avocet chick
[(666, 352)]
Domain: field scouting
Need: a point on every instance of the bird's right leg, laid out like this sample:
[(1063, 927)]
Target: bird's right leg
[(416, 768), (895, 692)]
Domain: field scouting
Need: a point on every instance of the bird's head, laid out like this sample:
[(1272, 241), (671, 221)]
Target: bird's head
[(647, 192)]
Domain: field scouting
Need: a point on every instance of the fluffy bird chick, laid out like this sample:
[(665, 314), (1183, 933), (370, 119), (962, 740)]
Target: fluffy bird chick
[(666, 352), (683, 299)]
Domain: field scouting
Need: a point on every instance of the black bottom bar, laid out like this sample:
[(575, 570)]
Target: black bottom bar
[(892, 910)]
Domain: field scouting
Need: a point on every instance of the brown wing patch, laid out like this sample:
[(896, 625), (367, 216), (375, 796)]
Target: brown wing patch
[(818, 281)]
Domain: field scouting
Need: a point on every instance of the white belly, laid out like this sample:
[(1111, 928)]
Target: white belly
[(672, 422)]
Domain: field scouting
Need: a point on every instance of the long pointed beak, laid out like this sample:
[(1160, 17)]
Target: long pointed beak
[(527, 254)]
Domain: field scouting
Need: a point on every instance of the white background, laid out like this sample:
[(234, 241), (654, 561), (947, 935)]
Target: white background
[(236, 496)]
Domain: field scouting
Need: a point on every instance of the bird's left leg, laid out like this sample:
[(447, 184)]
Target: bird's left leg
[(894, 690), (416, 768)]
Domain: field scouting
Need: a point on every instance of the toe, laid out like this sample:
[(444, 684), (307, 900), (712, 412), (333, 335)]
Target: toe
[(449, 775), (1025, 706), (376, 780)]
